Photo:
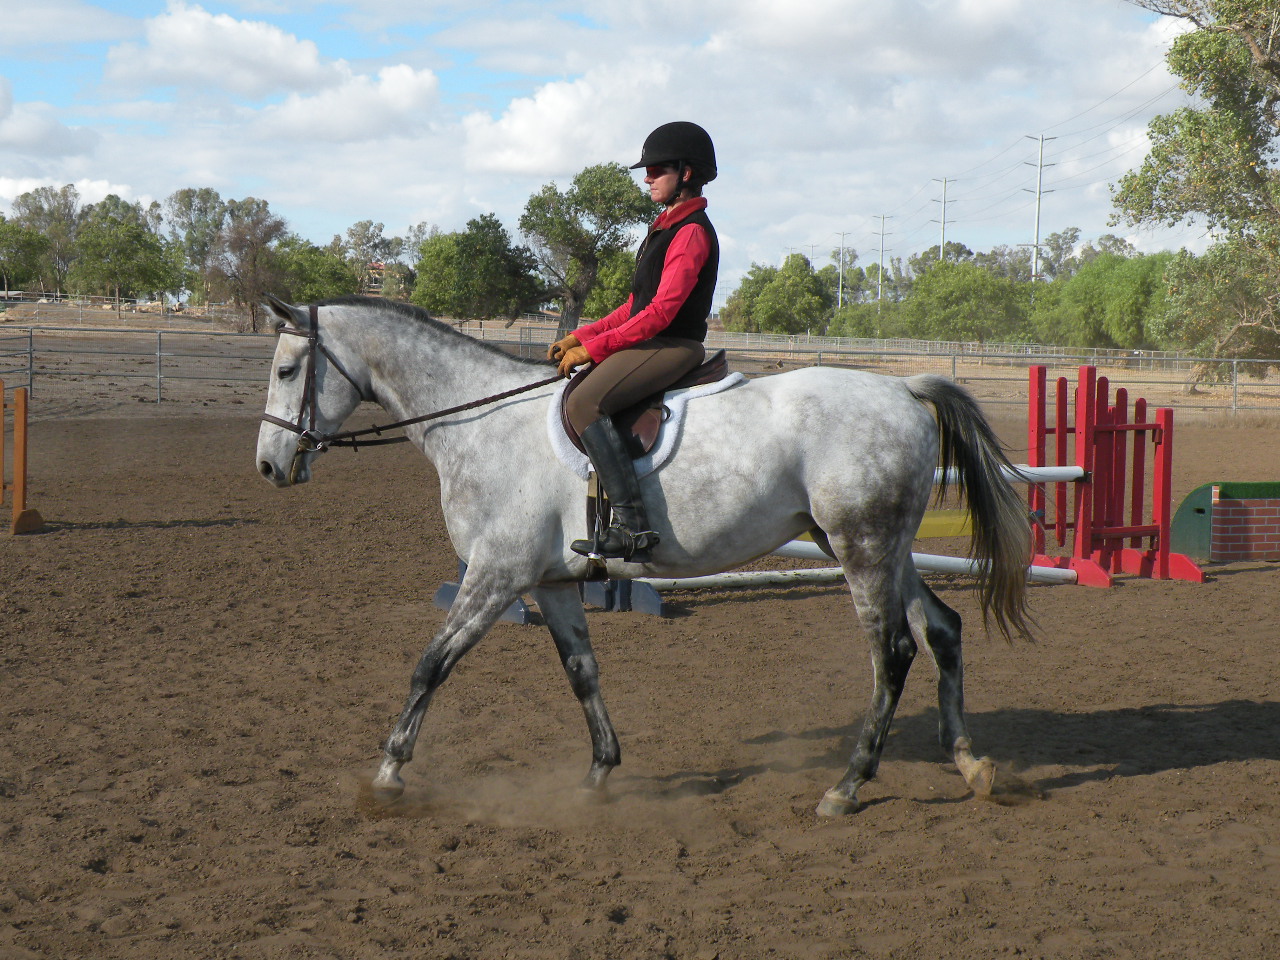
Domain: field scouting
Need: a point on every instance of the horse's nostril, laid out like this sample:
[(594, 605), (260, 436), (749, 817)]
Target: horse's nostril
[(265, 469)]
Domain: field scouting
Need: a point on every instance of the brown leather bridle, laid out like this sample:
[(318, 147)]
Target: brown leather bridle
[(312, 440)]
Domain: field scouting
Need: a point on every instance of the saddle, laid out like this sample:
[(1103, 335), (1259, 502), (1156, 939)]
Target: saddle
[(639, 424)]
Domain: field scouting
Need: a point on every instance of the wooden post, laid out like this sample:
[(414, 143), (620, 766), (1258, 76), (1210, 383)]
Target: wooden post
[(3, 486), (24, 520)]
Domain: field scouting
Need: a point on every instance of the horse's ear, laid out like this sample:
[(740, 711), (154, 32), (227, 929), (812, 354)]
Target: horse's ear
[(286, 314)]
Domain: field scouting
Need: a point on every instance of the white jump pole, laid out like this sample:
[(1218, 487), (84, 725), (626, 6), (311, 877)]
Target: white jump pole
[(1021, 473), (803, 550)]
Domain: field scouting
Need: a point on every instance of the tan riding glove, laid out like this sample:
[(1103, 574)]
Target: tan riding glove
[(573, 357), (560, 347)]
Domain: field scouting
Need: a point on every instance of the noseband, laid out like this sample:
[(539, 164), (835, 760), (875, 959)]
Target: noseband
[(311, 440)]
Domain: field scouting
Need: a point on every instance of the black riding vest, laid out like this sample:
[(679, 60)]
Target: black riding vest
[(690, 322)]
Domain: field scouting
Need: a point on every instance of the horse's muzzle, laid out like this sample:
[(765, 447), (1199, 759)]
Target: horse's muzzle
[(296, 473)]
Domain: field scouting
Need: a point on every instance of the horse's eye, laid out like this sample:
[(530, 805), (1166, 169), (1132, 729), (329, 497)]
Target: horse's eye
[(286, 372)]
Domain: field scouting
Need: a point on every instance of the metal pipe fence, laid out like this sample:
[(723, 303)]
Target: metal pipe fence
[(211, 367)]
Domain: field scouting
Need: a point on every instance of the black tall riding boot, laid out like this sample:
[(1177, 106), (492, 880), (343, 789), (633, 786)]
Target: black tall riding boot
[(629, 537)]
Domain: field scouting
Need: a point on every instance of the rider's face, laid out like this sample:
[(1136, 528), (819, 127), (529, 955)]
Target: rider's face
[(662, 181)]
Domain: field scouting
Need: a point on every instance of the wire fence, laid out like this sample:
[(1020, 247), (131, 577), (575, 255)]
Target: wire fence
[(20, 307), (96, 366)]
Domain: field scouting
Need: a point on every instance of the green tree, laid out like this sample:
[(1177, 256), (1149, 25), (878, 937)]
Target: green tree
[(613, 284), (893, 285), (501, 277), (739, 309), (1012, 263), (312, 273), (246, 264), (572, 232), (1110, 301), (477, 273), (962, 301), (848, 288), (861, 320), (1220, 304), (21, 252), (1215, 162), (922, 262), (1057, 253), (196, 217), (118, 254), (439, 273), (367, 247), (55, 215), (794, 301)]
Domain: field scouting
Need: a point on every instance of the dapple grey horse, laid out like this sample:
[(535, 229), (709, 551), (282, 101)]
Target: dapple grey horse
[(845, 455)]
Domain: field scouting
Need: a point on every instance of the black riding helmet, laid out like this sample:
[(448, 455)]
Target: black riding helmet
[(680, 142)]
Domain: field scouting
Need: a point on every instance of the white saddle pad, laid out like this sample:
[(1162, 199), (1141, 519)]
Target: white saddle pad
[(675, 401)]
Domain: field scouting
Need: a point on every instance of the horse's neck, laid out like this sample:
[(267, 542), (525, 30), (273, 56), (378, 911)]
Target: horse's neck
[(419, 370)]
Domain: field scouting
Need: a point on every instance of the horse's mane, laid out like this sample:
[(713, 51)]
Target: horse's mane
[(417, 314)]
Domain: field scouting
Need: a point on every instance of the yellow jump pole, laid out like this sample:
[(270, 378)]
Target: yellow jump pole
[(24, 520)]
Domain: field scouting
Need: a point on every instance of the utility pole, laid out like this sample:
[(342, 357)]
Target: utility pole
[(880, 272), (840, 273), (942, 244), (1040, 165)]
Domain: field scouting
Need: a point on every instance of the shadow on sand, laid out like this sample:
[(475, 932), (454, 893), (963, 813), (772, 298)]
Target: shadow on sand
[(1096, 746)]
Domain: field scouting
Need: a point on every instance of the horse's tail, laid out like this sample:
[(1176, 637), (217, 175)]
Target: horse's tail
[(1001, 529)]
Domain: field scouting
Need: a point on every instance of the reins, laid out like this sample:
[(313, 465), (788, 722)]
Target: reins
[(310, 439)]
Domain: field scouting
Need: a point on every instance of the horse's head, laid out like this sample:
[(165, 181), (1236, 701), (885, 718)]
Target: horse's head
[(310, 395)]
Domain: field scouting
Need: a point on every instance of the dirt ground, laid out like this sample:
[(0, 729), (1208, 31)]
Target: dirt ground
[(197, 672)]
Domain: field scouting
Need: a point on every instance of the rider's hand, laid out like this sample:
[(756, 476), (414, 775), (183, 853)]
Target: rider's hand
[(573, 357), (558, 349)]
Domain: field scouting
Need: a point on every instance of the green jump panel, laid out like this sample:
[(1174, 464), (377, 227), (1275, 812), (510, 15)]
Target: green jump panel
[(1191, 531)]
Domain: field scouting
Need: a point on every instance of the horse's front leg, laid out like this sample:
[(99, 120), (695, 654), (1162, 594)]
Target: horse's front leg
[(482, 598), (561, 607)]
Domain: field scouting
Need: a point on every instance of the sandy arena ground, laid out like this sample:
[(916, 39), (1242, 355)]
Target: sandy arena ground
[(197, 672)]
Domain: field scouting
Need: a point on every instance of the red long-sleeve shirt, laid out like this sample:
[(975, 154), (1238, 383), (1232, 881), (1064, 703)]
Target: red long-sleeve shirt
[(685, 258)]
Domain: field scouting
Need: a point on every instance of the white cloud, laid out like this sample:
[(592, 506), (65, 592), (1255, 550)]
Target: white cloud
[(565, 125), (58, 23), (189, 48), (34, 130), (398, 102)]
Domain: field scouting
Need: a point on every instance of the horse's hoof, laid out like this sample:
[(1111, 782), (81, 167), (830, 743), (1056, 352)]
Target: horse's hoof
[(981, 778), (595, 782), (836, 805), (979, 774), (387, 789)]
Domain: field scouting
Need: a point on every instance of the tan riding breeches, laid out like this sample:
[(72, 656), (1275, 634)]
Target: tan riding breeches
[(630, 375)]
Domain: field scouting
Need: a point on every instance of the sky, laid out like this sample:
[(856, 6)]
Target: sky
[(827, 115)]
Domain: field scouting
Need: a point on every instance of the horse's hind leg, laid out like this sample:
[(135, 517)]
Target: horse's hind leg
[(879, 603), (561, 607), (480, 602), (937, 626)]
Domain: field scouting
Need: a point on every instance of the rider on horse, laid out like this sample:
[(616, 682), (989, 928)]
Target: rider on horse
[(655, 337)]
